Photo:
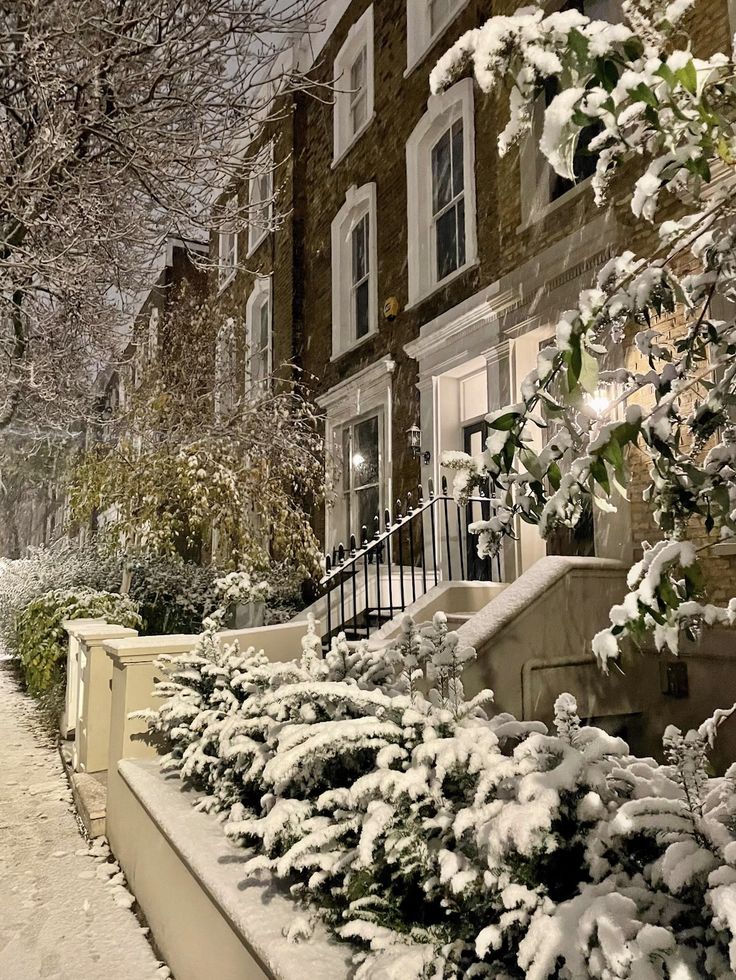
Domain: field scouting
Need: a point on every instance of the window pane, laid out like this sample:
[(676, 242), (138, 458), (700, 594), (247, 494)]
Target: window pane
[(457, 159), (441, 173), (357, 73), (358, 113), (362, 317), (439, 14), (460, 210), (360, 250), (367, 509), (365, 452), (446, 238), (346, 459), (263, 334)]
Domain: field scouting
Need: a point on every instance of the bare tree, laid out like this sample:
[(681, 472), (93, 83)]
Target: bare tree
[(118, 124)]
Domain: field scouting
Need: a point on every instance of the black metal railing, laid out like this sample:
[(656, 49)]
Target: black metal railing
[(421, 544)]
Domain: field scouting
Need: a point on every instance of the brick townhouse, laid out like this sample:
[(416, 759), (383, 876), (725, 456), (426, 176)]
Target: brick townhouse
[(413, 274)]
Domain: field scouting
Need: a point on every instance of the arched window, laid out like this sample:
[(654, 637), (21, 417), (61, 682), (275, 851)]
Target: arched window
[(259, 329), (354, 263), (440, 172), (353, 72)]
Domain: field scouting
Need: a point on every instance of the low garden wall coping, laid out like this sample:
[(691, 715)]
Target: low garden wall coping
[(257, 909)]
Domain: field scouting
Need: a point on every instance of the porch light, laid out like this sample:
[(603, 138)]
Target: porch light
[(598, 401), (414, 434)]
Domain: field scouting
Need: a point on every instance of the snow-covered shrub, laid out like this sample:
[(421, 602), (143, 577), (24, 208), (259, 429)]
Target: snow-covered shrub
[(172, 595), (40, 638), (44, 570), (448, 842), (281, 585), (239, 588)]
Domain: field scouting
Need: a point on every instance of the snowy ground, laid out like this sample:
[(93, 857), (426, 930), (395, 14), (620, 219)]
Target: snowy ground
[(60, 917)]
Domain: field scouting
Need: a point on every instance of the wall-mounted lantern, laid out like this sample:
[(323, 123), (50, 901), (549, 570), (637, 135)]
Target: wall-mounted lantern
[(414, 436)]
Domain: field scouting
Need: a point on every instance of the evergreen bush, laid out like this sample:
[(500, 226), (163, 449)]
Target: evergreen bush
[(173, 595), (448, 842), (40, 638)]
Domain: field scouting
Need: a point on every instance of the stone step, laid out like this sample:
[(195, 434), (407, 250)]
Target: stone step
[(90, 794)]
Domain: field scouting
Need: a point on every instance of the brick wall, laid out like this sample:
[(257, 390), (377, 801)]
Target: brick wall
[(312, 192)]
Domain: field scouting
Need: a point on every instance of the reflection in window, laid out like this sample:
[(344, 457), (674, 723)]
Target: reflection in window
[(260, 341), (359, 92), (448, 201), (584, 161), (361, 275), (361, 464)]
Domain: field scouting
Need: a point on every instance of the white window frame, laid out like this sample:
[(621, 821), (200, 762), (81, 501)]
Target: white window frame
[(365, 393), (262, 292), (360, 38), (419, 35), (349, 495), (443, 111), (359, 201), (260, 208), (227, 248)]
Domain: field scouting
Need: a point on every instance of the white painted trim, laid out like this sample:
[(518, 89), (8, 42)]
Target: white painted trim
[(359, 36), (539, 210), (262, 288), (442, 111), (460, 271), (357, 385), (359, 201), (257, 233), (419, 41), (436, 333), (338, 160), (367, 392)]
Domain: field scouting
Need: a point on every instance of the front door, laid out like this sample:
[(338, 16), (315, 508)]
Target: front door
[(477, 569)]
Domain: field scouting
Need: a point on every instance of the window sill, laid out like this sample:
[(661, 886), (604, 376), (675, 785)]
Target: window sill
[(257, 244), (726, 549), (346, 149), (418, 300), (354, 346), (536, 216), (222, 286), (420, 55)]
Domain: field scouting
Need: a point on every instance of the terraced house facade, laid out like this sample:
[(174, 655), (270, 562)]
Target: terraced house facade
[(416, 279)]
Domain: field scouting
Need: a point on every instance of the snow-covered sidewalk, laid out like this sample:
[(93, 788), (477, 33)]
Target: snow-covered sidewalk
[(59, 918)]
